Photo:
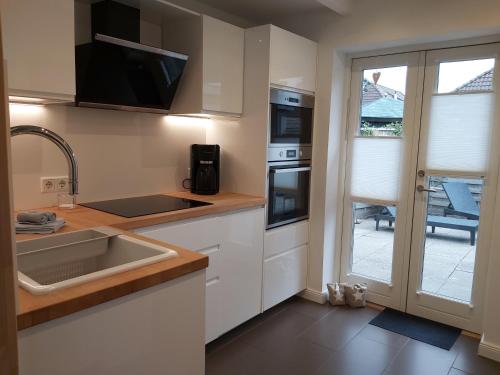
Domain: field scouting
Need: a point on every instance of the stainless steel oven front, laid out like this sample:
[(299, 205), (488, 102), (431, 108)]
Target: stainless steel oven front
[(288, 187), (290, 118)]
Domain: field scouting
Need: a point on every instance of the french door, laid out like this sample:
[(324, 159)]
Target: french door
[(420, 180)]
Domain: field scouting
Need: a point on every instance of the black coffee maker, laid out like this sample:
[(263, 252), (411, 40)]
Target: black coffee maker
[(205, 169)]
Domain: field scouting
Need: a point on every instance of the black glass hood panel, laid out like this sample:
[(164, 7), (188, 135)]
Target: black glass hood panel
[(118, 74)]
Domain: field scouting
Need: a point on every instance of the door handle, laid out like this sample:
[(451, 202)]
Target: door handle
[(421, 189)]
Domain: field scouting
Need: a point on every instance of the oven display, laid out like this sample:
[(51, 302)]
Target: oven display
[(291, 153)]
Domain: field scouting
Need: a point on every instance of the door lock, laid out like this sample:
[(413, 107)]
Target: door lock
[(421, 173)]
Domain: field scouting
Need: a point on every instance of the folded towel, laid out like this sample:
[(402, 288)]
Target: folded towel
[(50, 227), (36, 217)]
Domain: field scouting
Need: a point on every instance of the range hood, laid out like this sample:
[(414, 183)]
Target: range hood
[(117, 73)]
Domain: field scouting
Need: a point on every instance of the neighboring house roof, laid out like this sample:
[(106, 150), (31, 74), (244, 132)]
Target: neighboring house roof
[(384, 108), (372, 92), (484, 81)]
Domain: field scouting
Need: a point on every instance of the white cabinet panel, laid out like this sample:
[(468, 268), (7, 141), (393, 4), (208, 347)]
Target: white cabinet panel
[(285, 238), (241, 270), (223, 46), (212, 82), (39, 46), (234, 244), (205, 236), (155, 331), (285, 262), (293, 60), (284, 276)]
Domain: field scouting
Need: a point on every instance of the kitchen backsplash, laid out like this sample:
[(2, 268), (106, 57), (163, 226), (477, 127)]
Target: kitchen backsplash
[(119, 154)]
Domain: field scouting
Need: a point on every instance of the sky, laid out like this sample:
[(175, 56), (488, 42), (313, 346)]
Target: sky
[(451, 74)]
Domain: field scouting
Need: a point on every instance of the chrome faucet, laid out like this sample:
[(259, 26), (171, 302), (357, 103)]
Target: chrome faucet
[(59, 142)]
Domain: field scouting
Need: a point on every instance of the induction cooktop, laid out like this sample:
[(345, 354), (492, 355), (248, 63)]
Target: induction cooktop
[(140, 206)]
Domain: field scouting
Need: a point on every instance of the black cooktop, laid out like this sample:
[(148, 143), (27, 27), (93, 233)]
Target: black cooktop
[(148, 205)]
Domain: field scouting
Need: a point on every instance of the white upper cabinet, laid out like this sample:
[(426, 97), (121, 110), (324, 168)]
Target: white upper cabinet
[(39, 46), (223, 46), (292, 60), (212, 82)]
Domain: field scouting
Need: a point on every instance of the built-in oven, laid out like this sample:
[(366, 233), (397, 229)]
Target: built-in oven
[(289, 175), (290, 118)]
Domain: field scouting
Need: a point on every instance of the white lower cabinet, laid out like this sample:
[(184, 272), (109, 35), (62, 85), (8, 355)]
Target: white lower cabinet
[(155, 331), (234, 244), (285, 262)]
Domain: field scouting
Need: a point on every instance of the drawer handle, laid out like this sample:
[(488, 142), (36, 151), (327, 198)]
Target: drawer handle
[(210, 250), (213, 280)]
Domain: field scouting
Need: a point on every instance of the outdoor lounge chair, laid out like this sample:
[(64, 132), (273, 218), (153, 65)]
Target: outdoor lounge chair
[(471, 226), (388, 213), (461, 201), (454, 223)]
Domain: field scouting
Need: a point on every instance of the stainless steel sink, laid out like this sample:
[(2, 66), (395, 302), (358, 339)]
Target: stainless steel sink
[(60, 261)]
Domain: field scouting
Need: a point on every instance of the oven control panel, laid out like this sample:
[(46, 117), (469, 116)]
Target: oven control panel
[(289, 153)]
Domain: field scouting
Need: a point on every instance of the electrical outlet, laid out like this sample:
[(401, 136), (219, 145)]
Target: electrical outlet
[(61, 183), (53, 184), (47, 184)]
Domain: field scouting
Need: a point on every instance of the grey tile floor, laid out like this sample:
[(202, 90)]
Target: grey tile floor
[(299, 337), (448, 258)]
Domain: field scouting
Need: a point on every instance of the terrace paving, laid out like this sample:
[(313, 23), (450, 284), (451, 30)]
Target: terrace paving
[(448, 258)]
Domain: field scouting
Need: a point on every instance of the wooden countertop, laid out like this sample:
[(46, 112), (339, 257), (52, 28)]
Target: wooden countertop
[(36, 309)]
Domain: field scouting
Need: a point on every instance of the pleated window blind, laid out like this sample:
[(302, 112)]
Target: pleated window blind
[(376, 168), (459, 132)]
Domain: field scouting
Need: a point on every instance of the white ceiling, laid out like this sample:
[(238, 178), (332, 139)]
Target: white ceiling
[(265, 11)]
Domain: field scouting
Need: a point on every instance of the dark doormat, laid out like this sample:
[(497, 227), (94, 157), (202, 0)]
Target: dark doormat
[(420, 329)]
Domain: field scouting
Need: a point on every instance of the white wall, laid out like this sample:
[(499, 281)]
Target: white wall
[(490, 342), (119, 153)]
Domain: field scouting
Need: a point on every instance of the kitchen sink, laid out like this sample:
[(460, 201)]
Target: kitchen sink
[(52, 263)]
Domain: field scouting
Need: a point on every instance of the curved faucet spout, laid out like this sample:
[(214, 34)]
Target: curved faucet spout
[(59, 142)]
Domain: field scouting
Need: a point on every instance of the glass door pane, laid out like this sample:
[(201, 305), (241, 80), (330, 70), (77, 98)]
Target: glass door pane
[(382, 101), (383, 94), (453, 210), (377, 148), (373, 241)]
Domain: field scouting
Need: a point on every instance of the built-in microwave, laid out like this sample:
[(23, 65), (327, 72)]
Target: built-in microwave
[(290, 118)]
